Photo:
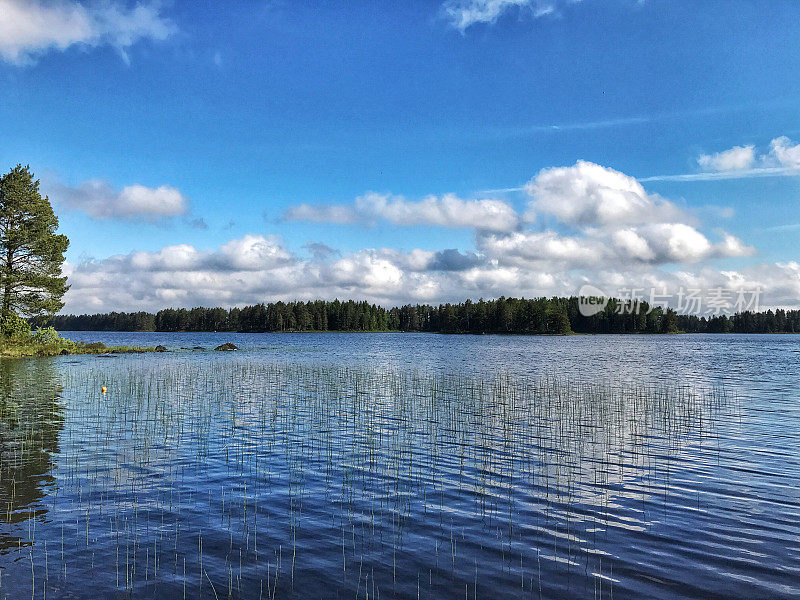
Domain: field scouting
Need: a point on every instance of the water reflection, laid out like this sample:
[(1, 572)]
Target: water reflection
[(243, 476), (31, 419)]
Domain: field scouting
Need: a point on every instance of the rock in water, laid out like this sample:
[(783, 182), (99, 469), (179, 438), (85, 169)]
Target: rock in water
[(160, 348), (227, 346)]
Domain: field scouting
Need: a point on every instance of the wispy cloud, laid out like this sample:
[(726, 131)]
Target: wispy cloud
[(705, 176), (612, 122), (788, 227), (463, 14), (740, 162), (29, 28), (526, 130), (507, 190), (721, 175), (743, 162)]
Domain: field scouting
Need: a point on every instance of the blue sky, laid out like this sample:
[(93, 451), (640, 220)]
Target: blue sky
[(257, 125)]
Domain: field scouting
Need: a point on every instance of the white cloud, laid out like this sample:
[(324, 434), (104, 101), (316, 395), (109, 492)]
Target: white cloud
[(659, 243), (744, 162), (256, 268), (615, 220), (785, 153), (590, 194), (444, 211), (631, 243), (675, 243), (248, 253), (134, 202), (463, 14), (253, 252), (735, 159), (29, 28), (664, 242), (543, 249), (733, 246), (755, 172), (617, 236)]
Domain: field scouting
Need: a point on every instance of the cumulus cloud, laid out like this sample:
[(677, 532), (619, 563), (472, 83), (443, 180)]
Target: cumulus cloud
[(614, 220), (737, 158), (256, 268), (539, 250), (320, 251), (463, 14), (590, 194), (100, 200), (675, 243), (785, 153), (29, 28), (246, 270), (248, 253), (444, 211), (783, 157), (611, 232), (664, 242), (451, 259), (656, 244)]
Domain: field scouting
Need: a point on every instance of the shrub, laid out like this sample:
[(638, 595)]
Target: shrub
[(46, 335), (12, 325)]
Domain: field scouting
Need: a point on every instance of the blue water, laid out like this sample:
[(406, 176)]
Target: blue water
[(404, 466)]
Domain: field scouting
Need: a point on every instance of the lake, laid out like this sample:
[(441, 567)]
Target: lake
[(344, 465)]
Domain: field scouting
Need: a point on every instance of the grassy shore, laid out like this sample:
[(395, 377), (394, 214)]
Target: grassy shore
[(47, 342), (19, 350)]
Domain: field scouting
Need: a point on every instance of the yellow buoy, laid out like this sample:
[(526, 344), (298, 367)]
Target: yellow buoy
[(103, 389)]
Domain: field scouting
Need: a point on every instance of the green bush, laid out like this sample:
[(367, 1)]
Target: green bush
[(12, 325), (46, 335)]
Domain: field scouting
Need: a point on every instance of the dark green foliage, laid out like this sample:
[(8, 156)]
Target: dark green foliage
[(504, 315), (557, 319), (31, 252), (669, 323)]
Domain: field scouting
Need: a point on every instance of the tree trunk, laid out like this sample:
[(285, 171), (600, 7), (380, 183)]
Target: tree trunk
[(7, 285)]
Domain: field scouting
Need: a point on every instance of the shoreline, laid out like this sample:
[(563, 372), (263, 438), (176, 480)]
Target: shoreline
[(65, 348), (487, 333)]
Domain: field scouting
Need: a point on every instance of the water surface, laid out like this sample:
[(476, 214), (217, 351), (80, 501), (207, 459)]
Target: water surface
[(404, 466)]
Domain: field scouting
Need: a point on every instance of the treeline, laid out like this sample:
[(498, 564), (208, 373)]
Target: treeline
[(504, 315)]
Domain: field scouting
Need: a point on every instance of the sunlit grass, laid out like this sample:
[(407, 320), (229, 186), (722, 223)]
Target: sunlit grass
[(47, 342)]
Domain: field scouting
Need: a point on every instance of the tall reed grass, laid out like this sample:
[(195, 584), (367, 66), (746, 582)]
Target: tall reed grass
[(242, 480)]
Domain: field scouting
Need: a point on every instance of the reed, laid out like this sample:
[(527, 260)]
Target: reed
[(190, 479)]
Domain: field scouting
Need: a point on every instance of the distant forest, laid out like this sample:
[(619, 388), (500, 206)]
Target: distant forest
[(504, 315)]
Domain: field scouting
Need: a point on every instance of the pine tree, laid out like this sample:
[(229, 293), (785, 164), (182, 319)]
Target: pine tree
[(670, 322), (31, 252), (557, 318)]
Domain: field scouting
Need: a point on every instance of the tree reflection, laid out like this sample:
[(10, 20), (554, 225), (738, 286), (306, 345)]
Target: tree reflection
[(31, 419)]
